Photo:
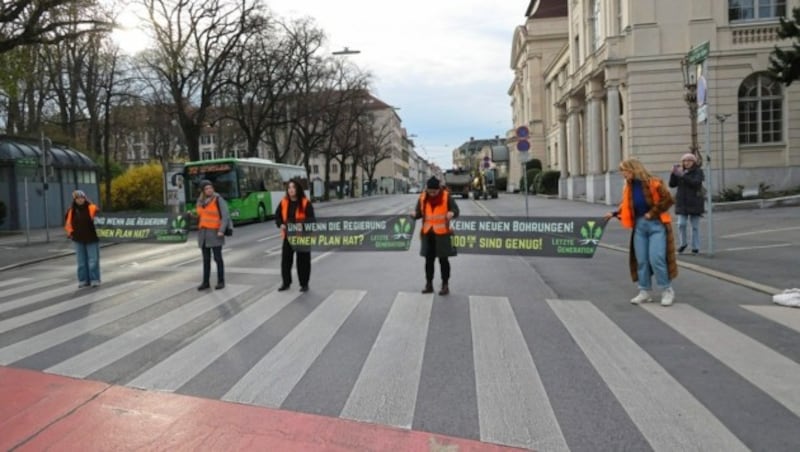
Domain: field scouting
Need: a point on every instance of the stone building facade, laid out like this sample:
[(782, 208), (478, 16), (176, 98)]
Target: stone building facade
[(614, 89)]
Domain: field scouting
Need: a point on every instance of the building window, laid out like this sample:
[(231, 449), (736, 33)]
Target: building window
[(744, 10), (760, 110), (315, 169), (334, 168), (595, 25), (618, 8)]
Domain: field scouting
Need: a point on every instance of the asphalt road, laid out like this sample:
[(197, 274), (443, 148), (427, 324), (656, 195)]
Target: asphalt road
[(543, 353)]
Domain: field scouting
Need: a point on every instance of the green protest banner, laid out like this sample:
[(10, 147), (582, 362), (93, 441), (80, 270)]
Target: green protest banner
[(353, 233), (541, 237), (145, 227), (530, 236)]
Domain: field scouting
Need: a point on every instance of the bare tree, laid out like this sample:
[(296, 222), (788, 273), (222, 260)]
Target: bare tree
[(195, 44), (36, 22), (260, 82), (376, 136), (297, 140)]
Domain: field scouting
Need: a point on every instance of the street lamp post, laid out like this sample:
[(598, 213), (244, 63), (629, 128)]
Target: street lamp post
[(690, 96), (721, 117)]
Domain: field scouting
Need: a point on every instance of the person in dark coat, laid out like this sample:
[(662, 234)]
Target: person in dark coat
[(689, 199), (436, 208), (295, 207), (212, 220), (79, 224)]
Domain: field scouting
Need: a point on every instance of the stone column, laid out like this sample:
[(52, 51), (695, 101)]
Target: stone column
[(562, 152), (612, 180), (573, 144), (594, 180)]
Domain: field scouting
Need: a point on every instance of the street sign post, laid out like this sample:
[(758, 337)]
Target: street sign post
[(698, 53)]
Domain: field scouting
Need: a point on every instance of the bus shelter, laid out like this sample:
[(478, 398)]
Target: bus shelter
[(25, 189)]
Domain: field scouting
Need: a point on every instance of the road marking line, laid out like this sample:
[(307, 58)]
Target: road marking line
[(28, 287), (761, 231), (38, 343), (789, 318), (666, 414), (765, 368), (513, 407), (12, 281), (101, 355), (747, 248), (270, 381), (92, 296), (183, 365), (386, 389)]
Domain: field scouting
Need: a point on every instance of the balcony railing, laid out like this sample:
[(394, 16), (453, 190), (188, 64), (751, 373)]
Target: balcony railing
[(755, 34)]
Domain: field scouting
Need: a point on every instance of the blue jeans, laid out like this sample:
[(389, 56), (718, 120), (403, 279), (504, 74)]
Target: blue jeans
[(695, 221), (88, 255), (650, 248)]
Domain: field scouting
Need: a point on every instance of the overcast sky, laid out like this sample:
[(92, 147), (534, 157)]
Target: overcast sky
[(444, 63)]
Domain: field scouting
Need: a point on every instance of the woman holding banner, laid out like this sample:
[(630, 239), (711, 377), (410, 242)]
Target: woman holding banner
[(212, 221), (436, 208), (79, 224), (294, 208), (644, 209)]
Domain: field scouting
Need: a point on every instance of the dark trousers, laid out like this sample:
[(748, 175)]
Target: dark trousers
[(430, 259), (217, 250), (303, 265)]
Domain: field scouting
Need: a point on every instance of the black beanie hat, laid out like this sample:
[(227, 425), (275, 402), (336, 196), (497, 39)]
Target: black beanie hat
[(204, 183), (433, 182)]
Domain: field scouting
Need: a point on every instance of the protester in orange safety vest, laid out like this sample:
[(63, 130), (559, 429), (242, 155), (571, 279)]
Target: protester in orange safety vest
[(79, 224), (213, 219), (294, 208), (436, 207), (645, 209)]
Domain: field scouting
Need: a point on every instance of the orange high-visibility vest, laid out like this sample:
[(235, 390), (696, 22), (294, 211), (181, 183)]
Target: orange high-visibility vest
[(626, 214), (209, 216), (299, 214), (435, 217), (68, 221)]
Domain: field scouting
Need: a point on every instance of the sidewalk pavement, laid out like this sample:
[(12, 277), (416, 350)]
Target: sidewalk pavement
[(756, 248)]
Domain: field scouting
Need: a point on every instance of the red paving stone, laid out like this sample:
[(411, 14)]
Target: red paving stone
[(40, 411)]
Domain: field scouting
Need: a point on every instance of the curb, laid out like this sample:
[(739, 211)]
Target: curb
[(769, 290)]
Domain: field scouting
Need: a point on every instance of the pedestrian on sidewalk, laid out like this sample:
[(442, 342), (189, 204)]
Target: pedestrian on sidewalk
[(645, 210), (294, 208), (689, 200), (436, 208), (79, 224), (213, 219)]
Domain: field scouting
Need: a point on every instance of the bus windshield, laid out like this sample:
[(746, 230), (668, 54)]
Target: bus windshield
[(222, 175)]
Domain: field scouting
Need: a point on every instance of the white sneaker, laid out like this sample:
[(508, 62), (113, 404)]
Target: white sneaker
[(643, 297), (667, 297)]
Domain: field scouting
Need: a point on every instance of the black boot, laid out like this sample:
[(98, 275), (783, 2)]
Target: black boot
[(220, 285), (428, 287), (204, 286), (445, 289)]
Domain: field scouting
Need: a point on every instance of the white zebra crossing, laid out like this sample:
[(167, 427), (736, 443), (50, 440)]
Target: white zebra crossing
[(668, 416), (173, 372), (386, 389), (91, 296), (111, 350), (790, 318), (513, 405), (271, 380), (74, 329), (12, 281), (757, 363)]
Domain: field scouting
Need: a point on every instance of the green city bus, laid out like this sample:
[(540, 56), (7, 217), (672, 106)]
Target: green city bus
[(252, 187)]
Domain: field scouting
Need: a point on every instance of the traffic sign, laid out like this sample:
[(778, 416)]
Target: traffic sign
[(523, 145), (523, 132), (698, 54)]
